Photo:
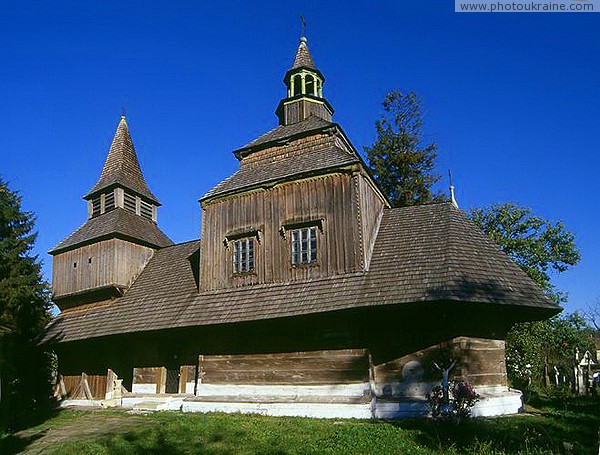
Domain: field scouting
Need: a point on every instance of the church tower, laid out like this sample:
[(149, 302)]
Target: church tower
[(302, 206), (304, 84), (102, 257)]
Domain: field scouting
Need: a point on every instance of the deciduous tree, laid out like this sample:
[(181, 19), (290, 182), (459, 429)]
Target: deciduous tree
[(539, 247)]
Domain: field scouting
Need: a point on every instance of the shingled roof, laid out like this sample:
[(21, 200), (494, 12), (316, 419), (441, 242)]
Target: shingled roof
[(118, 223), (264, 172), (422, 254), (122, 167), (307, 126), (303, 58), (311, 161)]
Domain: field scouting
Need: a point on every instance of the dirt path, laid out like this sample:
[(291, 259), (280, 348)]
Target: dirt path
[(92, 426)]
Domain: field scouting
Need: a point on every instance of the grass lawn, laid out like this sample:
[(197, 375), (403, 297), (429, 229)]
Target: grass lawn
[(562, 427)]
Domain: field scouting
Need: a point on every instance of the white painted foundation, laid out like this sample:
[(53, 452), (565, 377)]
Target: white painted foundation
[(493, 401), (350, 401), (314, 410), (143, 388), (284, 391)]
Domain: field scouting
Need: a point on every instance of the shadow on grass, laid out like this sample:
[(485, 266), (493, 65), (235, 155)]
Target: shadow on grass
[(553, 430), (12, 443)]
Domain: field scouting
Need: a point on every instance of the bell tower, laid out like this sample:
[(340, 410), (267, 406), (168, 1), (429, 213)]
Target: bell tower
[(304, 84), (101, 258)]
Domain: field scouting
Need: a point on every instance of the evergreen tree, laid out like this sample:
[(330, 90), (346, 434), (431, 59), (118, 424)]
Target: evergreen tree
[(401, 164), (24, 312)]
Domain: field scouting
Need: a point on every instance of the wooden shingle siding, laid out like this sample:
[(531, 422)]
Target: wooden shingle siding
[(284, 132), (320, 367), (310, 200)]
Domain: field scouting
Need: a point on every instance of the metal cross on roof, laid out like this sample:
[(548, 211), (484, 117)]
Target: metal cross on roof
[(303, 24)]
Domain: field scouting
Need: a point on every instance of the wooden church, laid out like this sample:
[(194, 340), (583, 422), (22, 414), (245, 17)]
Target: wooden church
[(306, 295)]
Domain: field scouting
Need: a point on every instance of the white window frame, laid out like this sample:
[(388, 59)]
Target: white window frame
[(304, 245), (243, 255)]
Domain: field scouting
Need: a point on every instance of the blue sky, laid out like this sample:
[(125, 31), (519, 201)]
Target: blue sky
[(512, 100)]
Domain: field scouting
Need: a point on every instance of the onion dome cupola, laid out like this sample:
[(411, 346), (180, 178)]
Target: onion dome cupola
[(304, 84), (121, 183)]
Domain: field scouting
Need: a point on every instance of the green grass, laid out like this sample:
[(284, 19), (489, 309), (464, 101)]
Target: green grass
[(565, 426)]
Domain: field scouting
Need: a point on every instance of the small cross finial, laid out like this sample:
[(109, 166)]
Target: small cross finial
[(452, 197), (303, 22), (123, 113)]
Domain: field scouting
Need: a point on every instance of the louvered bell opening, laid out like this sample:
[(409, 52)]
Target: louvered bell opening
[(96, 206), (109, 201), (146, 209), (129, 202)]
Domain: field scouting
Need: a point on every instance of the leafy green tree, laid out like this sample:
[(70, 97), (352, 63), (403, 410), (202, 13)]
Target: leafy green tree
[(592, 314), (401, 164), (24, 312), (533, 349), (539, 247)]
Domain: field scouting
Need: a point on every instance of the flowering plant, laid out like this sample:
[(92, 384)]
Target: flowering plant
[(454, 403)]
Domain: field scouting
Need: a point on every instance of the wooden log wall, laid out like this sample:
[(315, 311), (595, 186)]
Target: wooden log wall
[(480, 361), (300, 368), (106, 263)]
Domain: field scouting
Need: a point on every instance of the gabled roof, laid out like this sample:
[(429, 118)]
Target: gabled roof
[(118, 223), (122, 167), (428, 253)]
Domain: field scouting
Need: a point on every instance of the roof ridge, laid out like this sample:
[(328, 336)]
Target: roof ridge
[(181, 244)]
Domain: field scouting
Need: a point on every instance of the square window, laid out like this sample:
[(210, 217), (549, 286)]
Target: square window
[(304, 245), (243, 255)]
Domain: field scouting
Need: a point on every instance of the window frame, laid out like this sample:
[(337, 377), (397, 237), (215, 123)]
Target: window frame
[(233, 239), (304, 245), (243, 256)]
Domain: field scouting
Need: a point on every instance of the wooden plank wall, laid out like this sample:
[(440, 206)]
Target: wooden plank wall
[(328, 198), (74, 388), (109, 262), (301, 109), (371, 207), (153, 379), (300, 368)]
